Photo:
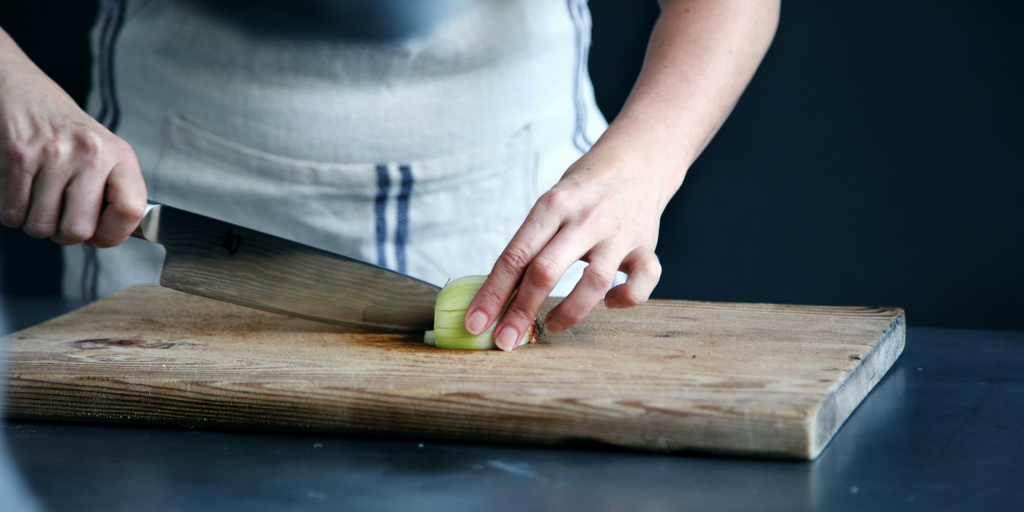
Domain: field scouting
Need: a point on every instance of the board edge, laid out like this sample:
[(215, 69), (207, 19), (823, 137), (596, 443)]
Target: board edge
[(834, 411)]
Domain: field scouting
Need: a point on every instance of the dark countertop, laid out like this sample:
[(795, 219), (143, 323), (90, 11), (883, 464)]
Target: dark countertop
[(944, 430)]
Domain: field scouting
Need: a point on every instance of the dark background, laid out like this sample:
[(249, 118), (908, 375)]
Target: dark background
[(876, 159)]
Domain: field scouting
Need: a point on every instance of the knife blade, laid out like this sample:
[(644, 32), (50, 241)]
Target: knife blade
[(234, 264)]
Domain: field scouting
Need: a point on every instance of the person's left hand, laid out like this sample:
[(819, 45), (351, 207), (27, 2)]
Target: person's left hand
[(606, 211)]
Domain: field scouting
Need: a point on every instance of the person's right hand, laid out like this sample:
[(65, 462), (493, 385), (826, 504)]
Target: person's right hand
[(63, 175)]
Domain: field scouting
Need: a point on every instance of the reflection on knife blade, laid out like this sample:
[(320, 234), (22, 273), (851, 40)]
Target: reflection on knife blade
[(234, 264)]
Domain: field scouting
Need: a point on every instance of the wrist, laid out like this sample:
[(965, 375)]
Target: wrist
[(642, 152)]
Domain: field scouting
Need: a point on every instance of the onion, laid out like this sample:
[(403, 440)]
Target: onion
[(450, 314)]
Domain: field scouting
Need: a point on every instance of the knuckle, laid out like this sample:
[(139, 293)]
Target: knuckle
[(129, 211), (515, 259), (90, 143), (490, 300), (90, 149), (544, 272), (77, 233), (135, 210), (599, 278), (652, 265), (54, 149), (590, 216), (17, 156), (40, 229), (519, 313), (12, 218), (555, 199)]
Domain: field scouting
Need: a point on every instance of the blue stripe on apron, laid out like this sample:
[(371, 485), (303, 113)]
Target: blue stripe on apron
[(402, 233), (380, 203), (580, 15), (380, 213)]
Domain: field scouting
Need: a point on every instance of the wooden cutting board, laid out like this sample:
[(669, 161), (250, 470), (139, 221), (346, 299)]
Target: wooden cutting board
[(747, 379)]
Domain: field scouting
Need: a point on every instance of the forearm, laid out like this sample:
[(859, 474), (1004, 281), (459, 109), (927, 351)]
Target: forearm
[(19, 74), (14, 64), (9, 50), (701, 56), (62, 175)]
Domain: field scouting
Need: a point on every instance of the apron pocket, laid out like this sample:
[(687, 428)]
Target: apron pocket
[(464, 209), (435, 219)]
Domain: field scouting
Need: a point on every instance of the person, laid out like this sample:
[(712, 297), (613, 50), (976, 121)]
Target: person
[(438, 138)]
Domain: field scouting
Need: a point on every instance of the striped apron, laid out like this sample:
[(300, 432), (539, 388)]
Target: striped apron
[(422, 154)]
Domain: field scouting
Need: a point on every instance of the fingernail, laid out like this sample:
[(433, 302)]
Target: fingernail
[(507, 338), (477, 322), (553, 326), (611, 304)]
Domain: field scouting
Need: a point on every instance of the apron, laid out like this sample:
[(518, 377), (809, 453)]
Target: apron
[(422, 154)]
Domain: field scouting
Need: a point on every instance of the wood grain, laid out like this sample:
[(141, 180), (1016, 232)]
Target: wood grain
[(747, 379)]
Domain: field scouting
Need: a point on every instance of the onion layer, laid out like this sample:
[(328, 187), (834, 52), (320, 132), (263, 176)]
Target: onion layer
[(450, 314)]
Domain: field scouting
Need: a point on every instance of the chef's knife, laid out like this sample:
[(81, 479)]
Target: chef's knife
[(222, 261)]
